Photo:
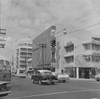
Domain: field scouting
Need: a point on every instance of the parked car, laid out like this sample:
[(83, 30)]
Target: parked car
[(21, 75), (97, 77), (62, 77), (43, 76), (4, 88)]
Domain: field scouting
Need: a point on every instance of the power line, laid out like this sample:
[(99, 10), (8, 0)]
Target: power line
[(79, 29), (86, 20), (87, 13), (78, 19), (85, 27)]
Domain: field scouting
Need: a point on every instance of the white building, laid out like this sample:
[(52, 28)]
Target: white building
[(78, 54), (24, 53)]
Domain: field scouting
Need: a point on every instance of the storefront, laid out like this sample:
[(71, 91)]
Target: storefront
[(86, 72), (83, 72), (71, 71)]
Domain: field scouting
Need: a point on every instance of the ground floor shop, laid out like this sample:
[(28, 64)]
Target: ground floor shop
[(81, 72)]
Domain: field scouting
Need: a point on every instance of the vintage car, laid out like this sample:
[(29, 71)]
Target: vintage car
[(97, 77), (22, 75), (43, 76), (62, 77), (5, 88)]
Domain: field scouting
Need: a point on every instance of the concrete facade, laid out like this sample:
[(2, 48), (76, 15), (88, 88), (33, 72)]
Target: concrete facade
[(78, 54), (42, 50), (23, 53)]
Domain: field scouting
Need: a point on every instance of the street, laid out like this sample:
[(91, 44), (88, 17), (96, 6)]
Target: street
[(23, 88)]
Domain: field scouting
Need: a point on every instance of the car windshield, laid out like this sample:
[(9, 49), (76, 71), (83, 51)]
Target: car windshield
[(46, 73), (62, 74)]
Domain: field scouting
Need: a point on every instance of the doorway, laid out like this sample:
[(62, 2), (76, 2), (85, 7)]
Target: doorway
[(86, 72)]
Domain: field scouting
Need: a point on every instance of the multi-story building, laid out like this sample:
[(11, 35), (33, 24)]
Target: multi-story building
[(24, 53), (44, 49), (78, 54)]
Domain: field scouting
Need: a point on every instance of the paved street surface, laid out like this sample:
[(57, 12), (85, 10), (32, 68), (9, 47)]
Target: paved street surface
[(23, 88)]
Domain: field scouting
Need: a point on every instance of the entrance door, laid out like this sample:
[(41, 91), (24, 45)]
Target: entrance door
[(83, 72), (86, 72)]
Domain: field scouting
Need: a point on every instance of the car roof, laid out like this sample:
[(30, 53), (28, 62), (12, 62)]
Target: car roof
[(44, 71)]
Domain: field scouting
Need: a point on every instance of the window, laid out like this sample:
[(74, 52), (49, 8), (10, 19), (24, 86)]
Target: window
[(96, 46), (46, 73), (69, 48), (69, 59), (30, 50), (23, 49), (87, 57), (29, 44), (22, 66), (95, 38), (96, 58), (2, 62), (87, 46)]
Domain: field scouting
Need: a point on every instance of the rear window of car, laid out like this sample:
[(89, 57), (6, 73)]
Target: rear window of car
[(46, 73)]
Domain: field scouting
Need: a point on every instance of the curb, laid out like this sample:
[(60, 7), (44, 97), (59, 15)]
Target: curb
[(81, 79)]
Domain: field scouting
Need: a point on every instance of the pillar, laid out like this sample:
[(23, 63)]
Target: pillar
[(77, 72)]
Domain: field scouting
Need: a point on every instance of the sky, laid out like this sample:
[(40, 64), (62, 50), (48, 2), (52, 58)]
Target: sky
[(29, 18)]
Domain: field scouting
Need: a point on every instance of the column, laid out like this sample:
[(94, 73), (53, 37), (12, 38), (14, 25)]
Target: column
[(77, 72)]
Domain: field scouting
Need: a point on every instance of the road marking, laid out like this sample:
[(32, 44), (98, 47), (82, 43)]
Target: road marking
[(56, 93)]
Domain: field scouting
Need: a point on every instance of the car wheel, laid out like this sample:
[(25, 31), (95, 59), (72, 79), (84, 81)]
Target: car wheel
[(3, 95), (64, 81), (33, 81), (40, 82), (98, 80), (52, 83)]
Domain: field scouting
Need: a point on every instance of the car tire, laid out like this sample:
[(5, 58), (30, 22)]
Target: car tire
[(3, 95), (64, 81), (33, 81), (40, 82), (52, 83), (98, 80)]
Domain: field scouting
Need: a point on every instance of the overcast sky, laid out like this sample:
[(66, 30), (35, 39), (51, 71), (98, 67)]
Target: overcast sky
[(28, 18)]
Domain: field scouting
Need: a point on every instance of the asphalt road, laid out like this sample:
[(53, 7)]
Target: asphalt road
[(23, 88)]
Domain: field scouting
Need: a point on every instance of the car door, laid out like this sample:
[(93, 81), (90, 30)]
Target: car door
[(34, 76), (38, 76)]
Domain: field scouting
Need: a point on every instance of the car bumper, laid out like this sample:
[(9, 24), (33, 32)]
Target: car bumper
[(63, 79), (49, 81), (98, 79), (5, 93)]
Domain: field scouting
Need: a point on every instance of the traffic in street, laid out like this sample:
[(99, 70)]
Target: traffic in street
[(23, 88)]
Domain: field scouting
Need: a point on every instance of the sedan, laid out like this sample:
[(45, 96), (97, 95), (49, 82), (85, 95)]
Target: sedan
[(43, 76), (62, 77), (97, 77), (22, 75)]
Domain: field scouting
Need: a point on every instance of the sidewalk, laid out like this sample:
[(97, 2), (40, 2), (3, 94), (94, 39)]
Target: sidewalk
[(81, 79)]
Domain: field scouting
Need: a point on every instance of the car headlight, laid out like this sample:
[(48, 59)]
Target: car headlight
[(8, 86)]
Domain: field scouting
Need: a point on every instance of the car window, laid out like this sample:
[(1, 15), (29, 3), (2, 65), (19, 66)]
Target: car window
[(46, 73), (36, 73)]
